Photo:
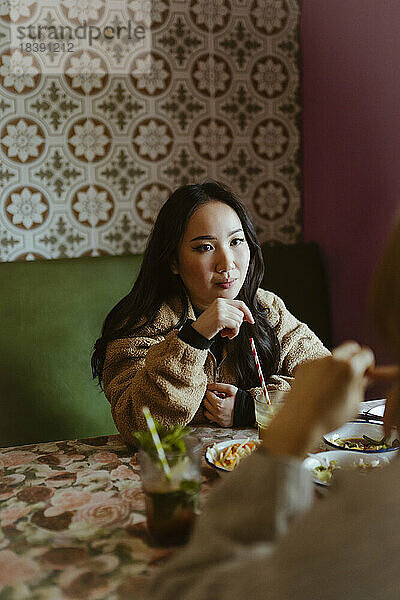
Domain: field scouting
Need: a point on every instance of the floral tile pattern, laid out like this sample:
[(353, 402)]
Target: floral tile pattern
[(95, 134), (73, 520), (22, 141)]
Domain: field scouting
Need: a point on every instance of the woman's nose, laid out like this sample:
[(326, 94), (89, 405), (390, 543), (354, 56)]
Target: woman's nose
[(225, 261)]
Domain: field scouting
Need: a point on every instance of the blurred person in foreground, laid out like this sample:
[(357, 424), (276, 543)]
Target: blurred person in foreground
[(260, 535)]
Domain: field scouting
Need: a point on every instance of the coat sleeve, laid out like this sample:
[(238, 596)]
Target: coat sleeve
[(165, 374), (298, 342), (229, 556)]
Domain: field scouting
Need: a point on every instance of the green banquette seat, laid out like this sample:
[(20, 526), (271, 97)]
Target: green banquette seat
[(51, 313)]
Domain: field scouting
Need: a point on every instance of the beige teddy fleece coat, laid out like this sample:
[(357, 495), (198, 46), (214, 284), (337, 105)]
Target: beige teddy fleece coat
[(170, 376)]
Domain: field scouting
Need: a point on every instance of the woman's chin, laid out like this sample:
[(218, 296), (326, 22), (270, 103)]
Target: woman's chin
[(228, 294)]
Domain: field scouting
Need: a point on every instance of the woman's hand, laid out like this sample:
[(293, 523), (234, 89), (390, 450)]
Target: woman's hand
[(326, 393), (225, 316), (219, 402)]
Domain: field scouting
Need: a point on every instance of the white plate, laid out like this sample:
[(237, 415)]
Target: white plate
[(345, 459), (357, 430), (212, 452), (377, 411)]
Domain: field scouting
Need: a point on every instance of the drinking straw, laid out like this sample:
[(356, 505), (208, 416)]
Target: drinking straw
[(260, 373), (157, 442)]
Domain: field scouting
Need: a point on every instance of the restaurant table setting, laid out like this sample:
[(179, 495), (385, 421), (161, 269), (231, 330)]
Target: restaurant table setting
[(79, 518), (359, 445)]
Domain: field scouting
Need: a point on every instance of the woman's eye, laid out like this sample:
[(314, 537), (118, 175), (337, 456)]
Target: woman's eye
[(203, 248), (237, 241)]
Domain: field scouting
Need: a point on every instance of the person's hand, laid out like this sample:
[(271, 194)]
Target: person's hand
[(325, 394), (333, 387), (225, 316), (219, 401)]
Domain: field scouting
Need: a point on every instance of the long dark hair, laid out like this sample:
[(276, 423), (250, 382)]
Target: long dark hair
[(156, 284)]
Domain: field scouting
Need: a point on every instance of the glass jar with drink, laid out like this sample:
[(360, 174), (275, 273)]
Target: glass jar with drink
[(266, 411), (172, 500)]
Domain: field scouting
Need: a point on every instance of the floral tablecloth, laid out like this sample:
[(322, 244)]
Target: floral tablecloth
[(73, 522)]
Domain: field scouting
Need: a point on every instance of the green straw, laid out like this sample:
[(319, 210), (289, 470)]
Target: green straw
[(157, 442)]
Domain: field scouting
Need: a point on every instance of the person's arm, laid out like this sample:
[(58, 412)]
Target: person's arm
[(244, 517), (224, 318), (167, 375), (192, 337), (236, 550)]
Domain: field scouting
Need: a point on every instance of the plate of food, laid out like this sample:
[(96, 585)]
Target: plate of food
[(362, 437), (324, 466), (225, 456)]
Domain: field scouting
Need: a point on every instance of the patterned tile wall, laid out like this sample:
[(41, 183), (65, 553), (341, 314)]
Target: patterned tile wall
[(95, 136)]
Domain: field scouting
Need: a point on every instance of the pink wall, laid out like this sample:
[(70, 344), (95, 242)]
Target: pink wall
[(351, 144)]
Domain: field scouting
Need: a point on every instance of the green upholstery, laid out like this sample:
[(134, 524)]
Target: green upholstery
[(297, 274), (51, 313)]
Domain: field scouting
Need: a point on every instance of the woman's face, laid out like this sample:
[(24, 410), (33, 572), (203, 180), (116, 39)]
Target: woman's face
[(214, 255)]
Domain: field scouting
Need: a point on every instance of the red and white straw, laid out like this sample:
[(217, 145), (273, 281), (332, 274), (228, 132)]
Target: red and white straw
[(260, 373)]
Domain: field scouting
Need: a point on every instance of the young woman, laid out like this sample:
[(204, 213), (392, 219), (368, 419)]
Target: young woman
[(179, 341)]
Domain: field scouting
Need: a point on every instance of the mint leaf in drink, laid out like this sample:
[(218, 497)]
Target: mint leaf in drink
[(189, 486), (172, 440)]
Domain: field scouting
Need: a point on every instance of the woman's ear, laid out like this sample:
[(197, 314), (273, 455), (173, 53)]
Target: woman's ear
[(173, 265)]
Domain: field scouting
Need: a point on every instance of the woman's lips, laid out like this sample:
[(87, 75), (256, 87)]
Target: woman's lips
[(225, 285)]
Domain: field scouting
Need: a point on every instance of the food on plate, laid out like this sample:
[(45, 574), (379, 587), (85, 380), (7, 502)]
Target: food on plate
[(324, 473), (229, 457), (365, 443)]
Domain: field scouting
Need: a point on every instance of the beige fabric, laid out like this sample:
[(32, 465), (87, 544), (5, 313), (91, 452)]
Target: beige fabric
[(260, 537), (170, 376)]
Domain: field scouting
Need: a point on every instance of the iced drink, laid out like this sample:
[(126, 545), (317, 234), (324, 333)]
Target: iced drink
[(171, 514), (172, 504), (264, 411)]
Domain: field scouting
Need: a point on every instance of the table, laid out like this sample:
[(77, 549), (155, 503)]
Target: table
[(73, 519)]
